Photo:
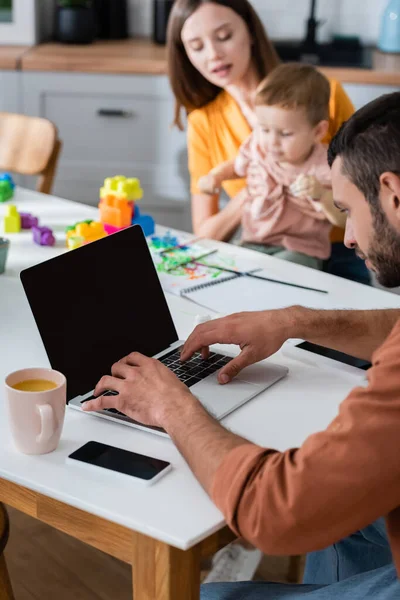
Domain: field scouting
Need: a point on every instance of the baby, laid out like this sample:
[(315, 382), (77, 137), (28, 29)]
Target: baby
[(289, 209)]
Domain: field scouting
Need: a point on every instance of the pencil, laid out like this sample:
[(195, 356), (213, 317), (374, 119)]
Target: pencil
[(250, 274), (179, 246)]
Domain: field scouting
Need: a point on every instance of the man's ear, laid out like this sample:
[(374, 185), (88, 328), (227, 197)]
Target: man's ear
[(320, 130), (390, 196)]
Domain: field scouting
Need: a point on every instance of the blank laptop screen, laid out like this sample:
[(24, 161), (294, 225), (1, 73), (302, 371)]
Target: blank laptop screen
[(96, 304)]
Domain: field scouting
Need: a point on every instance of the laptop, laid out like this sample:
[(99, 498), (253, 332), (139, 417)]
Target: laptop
[(98, 303)]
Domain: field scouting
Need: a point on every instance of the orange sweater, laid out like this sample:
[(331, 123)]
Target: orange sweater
[(216, 132), (340, 480)]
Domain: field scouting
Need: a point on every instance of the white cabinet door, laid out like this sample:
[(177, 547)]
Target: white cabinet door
[(361, 94), (10, 100), (9, 91), (110, 125)]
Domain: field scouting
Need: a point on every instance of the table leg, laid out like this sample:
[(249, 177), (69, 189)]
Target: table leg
[(6, 592), (161, 572)]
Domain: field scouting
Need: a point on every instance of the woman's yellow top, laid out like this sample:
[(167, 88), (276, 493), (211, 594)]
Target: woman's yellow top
[(216, 132)]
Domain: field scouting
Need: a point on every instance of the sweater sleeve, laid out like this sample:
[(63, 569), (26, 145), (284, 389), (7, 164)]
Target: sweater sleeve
[(340, 109), (339, 481), (198, 148)]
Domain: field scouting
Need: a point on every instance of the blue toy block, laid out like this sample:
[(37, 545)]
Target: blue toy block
[(136, 214), (146, 223), (7, 177)]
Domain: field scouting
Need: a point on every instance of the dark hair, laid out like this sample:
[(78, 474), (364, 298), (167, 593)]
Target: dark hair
[(369, 145), (191, 89), (293, 86)]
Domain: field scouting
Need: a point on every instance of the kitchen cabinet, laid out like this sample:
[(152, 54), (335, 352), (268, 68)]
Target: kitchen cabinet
[(114, 124), (10, 98)]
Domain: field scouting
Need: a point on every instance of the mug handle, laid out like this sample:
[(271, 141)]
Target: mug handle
[(46, 418)]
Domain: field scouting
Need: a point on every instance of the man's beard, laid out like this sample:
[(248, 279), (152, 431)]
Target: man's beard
[(384, 251)]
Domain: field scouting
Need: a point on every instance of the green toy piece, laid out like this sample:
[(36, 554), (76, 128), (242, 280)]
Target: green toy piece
[(6, 190)]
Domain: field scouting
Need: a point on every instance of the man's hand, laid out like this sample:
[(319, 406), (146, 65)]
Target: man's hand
[(259, 334), (147, 390)]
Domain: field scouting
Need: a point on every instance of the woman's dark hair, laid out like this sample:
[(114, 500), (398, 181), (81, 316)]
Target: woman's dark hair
[(191, 89), (369, 144)]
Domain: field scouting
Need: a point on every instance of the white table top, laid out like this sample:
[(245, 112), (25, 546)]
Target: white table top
[(176, 510)]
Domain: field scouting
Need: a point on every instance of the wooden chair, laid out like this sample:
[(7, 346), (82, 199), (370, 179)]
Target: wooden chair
[(6, 592), (29, 146)]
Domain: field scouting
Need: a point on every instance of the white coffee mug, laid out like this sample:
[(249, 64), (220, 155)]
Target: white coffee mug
[(36, 417)]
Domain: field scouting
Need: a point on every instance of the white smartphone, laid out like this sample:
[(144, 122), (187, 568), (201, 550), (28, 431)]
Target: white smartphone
[(320, 356), (146, 469)]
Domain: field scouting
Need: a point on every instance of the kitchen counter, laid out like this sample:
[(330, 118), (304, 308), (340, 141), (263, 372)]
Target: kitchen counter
[(115, 57), (138, 56), (10, 57)]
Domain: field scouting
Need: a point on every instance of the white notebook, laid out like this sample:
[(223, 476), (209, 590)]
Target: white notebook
[(247, 294), (192, 276)]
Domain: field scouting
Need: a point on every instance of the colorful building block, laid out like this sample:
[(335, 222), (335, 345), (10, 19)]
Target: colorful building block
[(84, 232), (111, 229), (43, 236), (12, 220), (6, 190), (146, 223), (127, 188), (28, 220), (7, 177), (115, 211), (75, 241)]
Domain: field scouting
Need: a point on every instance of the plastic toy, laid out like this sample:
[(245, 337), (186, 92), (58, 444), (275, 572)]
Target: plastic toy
[(6, 190), (109, 229), (75, 241), (118, 208), (28, 220), (12, 220), (116, 211), (84, 232), (127, 188), (4, 244), (145, 221), (7, 177), (7, 186), (43, 236)]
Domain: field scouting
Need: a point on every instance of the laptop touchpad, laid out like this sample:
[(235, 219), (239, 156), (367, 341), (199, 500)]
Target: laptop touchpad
[(218, 399)]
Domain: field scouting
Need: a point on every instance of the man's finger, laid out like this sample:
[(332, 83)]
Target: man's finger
[(233, 368), (100, 403), (202, 337), (135, 359), (107, 383), (121, 369), (205, 353)]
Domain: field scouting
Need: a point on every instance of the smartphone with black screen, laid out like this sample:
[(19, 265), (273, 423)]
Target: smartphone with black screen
[(147, 469), (317, 355)]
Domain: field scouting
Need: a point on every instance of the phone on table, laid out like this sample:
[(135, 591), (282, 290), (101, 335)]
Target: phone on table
[(317, 355), (146, 469)]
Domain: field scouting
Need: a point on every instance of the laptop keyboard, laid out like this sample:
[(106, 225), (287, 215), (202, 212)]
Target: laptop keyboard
[(196, 369), (189, 372)]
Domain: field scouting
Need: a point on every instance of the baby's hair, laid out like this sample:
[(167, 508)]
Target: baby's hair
[(293, 86)]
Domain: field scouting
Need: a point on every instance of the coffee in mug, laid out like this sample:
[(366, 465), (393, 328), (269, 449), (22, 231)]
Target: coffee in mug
[(36, 400), (35, 385)]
